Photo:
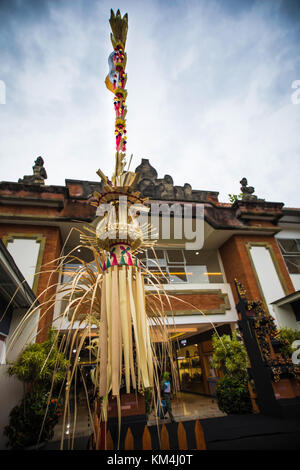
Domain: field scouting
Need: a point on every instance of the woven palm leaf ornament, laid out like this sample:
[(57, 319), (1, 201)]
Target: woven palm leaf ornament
[(124, 334)]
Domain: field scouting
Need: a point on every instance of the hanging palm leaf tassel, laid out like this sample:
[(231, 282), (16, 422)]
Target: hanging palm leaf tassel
[(123, 326)]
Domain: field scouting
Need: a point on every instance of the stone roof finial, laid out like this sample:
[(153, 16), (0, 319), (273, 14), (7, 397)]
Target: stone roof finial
[(247, 191), (39, 173)]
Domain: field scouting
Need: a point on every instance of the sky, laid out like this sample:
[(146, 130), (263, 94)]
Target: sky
[(209, 91)]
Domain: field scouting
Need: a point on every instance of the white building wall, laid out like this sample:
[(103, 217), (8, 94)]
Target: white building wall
[(295, 280), (267, 276), (286, 316), (11, 389), (11, 392), (270, 284), (26, 333)]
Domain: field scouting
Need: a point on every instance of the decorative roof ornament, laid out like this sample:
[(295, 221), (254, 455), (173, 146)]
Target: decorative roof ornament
[(247, 191), (39, 174), (119, 27), (116, 82), (153, 187), (240, 289)]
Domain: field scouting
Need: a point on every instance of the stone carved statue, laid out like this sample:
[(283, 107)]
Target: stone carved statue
[(145, 170), (168, 184), (247, 191), (146, 187), (187, 188), (179, 193), (160, 188), (39, 173)]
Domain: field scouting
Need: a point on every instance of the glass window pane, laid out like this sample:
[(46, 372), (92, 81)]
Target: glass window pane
[(69, 270), (156, 276), (25, 253), (157, 270), (204, 266), (197, 274), (156, 259), (289, 245), (175, 257), (178, 266), (293, 264), (177, 274)]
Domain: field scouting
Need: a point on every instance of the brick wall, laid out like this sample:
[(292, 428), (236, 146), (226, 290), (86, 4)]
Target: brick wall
[(237, 263), (51, 252), (187, 302)]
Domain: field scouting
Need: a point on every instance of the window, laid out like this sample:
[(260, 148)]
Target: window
[(173, 266), (27, 252), (296, 309), (70, 269), (290, 249)]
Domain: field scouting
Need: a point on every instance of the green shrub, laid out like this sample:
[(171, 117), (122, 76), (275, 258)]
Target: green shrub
[(233, 396), (230, 355), (38, 366), (232, 391), (29, 423), (40, 363), (288, 336)]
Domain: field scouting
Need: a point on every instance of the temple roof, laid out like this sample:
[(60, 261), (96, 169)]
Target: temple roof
[(31, 199), (164, 189)]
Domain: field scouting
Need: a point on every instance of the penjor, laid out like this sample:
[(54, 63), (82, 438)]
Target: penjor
[(124, 345)]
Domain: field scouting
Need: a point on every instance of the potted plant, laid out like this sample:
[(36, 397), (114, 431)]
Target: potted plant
[(41, 367)]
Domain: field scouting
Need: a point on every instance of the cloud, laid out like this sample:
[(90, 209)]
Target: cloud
[(209, 87)]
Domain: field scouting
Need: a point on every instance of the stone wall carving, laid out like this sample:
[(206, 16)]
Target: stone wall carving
[(164, 189)]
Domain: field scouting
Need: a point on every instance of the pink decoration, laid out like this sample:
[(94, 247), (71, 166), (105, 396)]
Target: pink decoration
[(118, 141), (117, 105), (115, 261), (129, 262)]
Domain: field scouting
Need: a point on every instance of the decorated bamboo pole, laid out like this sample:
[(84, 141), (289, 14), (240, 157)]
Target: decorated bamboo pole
[(124, 333), (116, 82)]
